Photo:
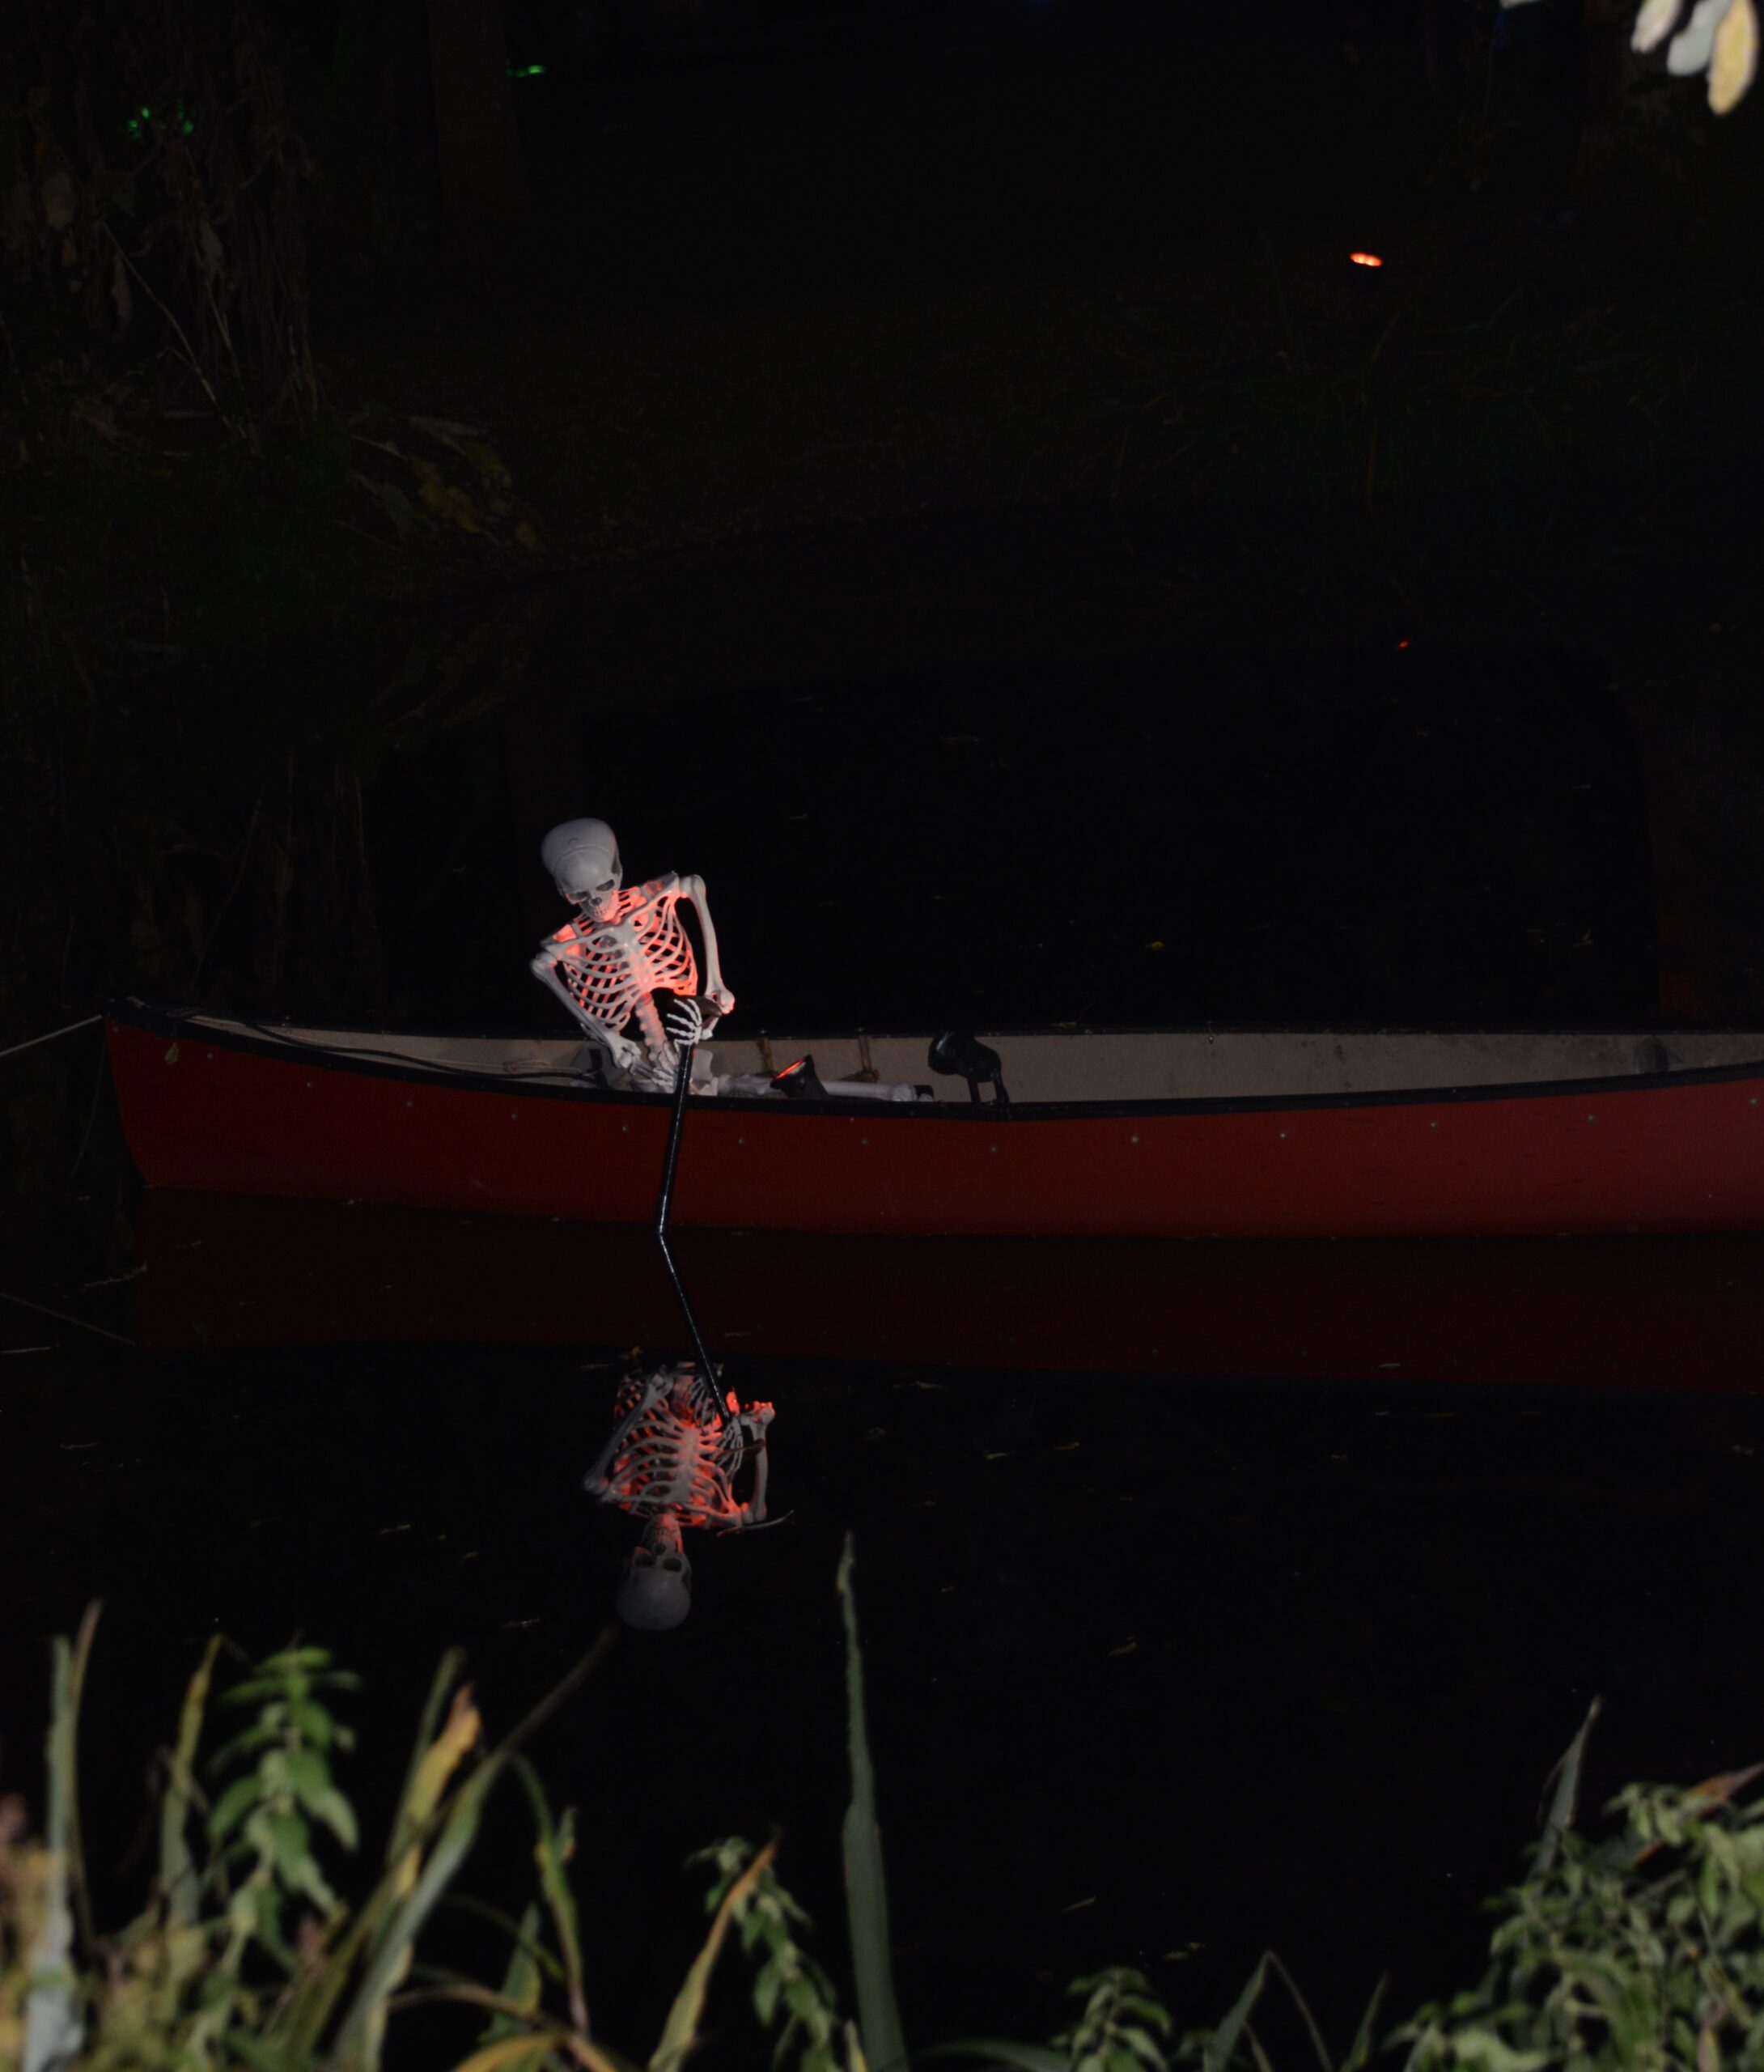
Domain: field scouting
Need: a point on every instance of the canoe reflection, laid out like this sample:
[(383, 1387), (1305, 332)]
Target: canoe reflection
[(1662, 1313)]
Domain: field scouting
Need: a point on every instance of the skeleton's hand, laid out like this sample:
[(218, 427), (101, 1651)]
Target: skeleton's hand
[(685, 1020)]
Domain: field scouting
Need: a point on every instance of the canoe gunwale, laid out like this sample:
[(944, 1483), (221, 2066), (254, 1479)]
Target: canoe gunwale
[(265, 1041)]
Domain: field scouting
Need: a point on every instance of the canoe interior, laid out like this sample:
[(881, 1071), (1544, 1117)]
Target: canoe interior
[(1101, 1066)]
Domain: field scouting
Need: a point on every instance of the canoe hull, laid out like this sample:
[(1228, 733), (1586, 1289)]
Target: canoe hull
[(1673, 1153)]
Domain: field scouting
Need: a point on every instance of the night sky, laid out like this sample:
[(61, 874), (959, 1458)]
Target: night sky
[(952, 473)]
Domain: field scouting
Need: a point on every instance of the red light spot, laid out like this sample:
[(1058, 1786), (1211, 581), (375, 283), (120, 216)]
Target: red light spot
[(1402, 644), (1365, 259)]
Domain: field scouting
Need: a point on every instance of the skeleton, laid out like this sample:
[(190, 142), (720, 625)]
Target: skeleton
[(671, 1461), (626, 946)]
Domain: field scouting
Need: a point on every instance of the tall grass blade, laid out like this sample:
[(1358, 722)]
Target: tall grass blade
[(1360, 2051), (1566, 1777), (432, 1765), (409, 1893), (523, 1934), (512, 2051), (418, 1885), (77, 1664), (866, 1897), (406, 1821), (180, 1882), (552, 1850), (680, 2034), (1018, 2057), (1222, 2043), (53, 2031), (522, 1982), (1298, 2001)]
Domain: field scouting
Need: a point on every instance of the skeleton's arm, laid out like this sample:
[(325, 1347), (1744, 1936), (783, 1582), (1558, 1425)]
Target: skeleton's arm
[(623, 1052), (751, 1424), (692, 888)]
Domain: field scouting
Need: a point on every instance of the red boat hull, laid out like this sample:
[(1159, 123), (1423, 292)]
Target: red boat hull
[(1666, 1154)]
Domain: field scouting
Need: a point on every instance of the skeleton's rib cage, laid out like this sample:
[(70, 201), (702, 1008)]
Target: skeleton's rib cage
[(677, 1448), (611, 970)]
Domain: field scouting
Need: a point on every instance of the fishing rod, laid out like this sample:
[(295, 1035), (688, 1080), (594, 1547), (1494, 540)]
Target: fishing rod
[(664, 1202)]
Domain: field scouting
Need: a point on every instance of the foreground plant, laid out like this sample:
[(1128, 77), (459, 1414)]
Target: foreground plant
[(245, 1954), (1642, 1952)]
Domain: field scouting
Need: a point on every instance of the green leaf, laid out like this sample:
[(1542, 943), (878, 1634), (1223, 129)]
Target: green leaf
[(267, 1733), (766, 1987), (315, 1724), (295, 1658), (290, 1842), (802, 1996), (234, 1803), (307, 1773), (334, 1810)]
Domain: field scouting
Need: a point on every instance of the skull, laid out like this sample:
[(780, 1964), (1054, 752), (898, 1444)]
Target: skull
[(655, 1591), (583, 857)]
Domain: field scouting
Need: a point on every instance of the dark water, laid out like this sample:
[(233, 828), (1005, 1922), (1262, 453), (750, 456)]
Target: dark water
[(1151, 1662)]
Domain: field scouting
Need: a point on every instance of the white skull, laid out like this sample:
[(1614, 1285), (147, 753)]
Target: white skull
[(655, 1592), (583, 857)]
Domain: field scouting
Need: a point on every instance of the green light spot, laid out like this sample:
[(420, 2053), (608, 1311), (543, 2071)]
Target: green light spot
[(525, 71)]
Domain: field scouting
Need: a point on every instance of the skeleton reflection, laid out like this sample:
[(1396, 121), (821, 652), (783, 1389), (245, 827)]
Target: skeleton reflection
[(671, 1461), (625, 947)]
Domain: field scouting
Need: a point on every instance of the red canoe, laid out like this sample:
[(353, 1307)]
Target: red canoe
[(1189, 1133)]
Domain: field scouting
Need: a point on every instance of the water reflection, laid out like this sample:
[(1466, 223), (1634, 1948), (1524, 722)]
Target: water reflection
[(679, 1443), (230, 1271)]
